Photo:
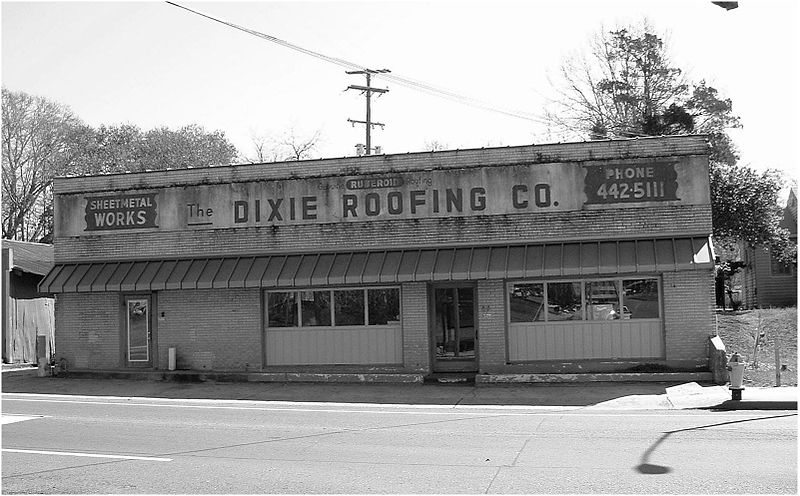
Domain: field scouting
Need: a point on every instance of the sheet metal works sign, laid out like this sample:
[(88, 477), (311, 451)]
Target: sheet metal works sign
[(631, 183), (121, 212)]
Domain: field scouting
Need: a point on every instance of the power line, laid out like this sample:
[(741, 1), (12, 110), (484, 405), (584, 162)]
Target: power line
[(389, 77)]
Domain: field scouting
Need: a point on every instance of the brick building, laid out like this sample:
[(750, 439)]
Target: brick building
[(556, 258)]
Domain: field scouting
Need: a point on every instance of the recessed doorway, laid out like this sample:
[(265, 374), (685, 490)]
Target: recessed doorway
[(454, 330)]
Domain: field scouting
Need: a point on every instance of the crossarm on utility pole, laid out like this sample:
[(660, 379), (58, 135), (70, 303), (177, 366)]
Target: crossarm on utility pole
[(368, 90)]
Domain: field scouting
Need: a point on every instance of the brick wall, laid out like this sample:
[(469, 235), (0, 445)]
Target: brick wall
[(689, 304), (491, 326), (211, 329), (622, 223), (416, 337), (88, 330)]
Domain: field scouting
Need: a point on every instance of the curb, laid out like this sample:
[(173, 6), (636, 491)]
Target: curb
[(20, 372)]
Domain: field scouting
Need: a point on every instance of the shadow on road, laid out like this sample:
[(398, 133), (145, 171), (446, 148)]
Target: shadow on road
[(653, 469)]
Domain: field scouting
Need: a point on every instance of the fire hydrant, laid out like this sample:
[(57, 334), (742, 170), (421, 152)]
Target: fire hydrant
[(736, 367)]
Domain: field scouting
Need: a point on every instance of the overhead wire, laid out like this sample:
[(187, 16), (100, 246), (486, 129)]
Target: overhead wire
[(386, 76)]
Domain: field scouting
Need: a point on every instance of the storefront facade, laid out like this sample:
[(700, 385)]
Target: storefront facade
[(576, 257)]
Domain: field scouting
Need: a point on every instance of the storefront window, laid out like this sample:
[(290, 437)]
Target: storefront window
[(640, 299), (527, 302), (282, 309), (349, 307), (602, 300), (384, 306), (564, 301), (559, 301), (315, 308)]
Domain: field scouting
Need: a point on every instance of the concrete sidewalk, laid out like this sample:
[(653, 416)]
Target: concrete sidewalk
[(594, 395)]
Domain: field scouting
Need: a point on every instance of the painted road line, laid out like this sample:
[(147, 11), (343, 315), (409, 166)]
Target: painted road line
[(87, 455), (10, 418)]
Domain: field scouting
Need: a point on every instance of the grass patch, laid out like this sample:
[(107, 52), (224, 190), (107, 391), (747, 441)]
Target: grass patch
[(739, 330)]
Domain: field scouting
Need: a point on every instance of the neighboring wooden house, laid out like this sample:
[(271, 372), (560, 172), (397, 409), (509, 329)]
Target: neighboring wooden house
[(26, 312), (766, 282)]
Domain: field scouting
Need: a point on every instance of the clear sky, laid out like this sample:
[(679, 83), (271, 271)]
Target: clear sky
[(153, 64)]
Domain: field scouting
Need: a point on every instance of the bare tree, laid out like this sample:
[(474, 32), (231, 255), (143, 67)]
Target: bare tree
[(299, 147), (435, 146), (39, 140), (288, 147), (264, 148)]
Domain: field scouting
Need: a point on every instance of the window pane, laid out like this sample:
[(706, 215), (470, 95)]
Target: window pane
[(384, 306), (315, 308), (349, 307), (602, 300), (564, 301), (138, 331), (282, 309), (640, 299), (527, 302), (466, 322)]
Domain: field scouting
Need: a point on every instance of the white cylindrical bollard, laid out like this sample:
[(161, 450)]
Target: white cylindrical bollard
[(737, 375), (172, 358), (736, 366)]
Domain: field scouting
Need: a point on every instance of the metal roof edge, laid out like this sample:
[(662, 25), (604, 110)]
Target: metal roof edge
[(391, 163)]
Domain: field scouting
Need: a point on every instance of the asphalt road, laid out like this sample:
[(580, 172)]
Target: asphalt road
[(73, 444)]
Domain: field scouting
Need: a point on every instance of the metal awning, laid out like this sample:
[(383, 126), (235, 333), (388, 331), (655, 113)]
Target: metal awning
[(545, 260)]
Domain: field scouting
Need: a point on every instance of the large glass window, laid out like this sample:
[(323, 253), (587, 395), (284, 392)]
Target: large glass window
[(282, 309), (349, 307), (315, 308), (602, 300), (640, 299), (384, 306), (610, 299), (564, 301), (333, 307), (527, 302)]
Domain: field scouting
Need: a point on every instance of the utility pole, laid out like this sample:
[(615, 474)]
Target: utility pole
[(368, 91)]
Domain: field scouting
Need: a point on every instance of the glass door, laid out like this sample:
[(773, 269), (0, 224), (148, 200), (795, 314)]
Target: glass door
[(138, 332), (455, 334)]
